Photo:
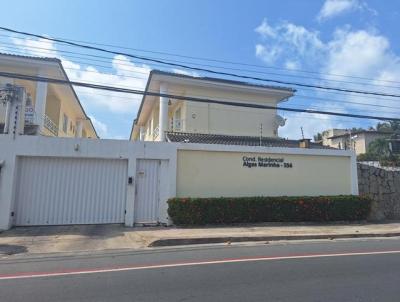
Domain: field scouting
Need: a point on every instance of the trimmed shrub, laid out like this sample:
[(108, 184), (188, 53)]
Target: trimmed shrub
[(226, 210)]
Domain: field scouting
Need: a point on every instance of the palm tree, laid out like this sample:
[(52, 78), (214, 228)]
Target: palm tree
[(383, 127), (380, 148), (389, 126), (395, 126), (317, 137)]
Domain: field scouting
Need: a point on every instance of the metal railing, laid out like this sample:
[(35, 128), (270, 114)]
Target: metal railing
[(50, 125), (156, 133)]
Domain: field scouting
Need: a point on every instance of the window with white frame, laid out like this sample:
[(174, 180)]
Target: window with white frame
[(177, 121)]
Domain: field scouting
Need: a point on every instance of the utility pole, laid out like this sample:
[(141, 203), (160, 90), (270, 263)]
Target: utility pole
[(302, 132), (6, 99), (13, 97), (349, 139), (261, 134)]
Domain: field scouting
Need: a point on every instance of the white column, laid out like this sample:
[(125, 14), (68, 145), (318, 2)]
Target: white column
[(79, 127), (40, 104), (141, 133), (163, 118)]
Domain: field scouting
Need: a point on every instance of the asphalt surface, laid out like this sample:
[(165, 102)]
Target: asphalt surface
[(343, 270)]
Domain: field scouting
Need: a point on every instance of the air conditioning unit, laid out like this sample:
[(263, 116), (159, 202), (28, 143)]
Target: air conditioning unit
[(279, 121)]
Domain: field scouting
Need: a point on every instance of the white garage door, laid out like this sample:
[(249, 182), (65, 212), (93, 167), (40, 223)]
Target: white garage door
[(55, 191)]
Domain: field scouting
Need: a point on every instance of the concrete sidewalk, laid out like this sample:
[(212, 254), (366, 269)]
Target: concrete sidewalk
[(90, 238)]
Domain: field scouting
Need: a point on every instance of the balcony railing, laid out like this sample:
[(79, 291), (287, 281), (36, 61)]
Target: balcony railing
[(156, 133), (50, 125)]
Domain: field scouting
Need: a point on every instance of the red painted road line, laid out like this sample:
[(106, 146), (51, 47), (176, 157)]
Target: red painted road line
[(26, 275)]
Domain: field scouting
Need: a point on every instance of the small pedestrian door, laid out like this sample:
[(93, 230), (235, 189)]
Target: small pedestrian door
[(147, 197)]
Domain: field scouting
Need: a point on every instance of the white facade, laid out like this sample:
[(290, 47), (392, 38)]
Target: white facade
[(103, 187)]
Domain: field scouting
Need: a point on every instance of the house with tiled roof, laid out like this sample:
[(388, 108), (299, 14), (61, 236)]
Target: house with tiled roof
[(180, 117), (49, 109), (358, 141)]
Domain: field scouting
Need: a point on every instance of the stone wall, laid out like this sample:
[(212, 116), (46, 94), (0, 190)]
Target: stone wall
[(383, 185)]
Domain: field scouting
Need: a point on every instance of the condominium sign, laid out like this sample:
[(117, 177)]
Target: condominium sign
[(265, 162)]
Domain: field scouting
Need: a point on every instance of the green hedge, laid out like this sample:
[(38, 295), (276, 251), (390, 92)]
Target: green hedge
[(224, 210)]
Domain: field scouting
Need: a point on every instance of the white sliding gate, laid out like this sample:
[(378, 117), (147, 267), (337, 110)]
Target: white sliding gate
[(147, 197), (58, 190)]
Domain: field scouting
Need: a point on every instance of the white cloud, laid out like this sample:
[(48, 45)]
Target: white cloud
[(358, 53), (185, 72), (311, 125), (292, 65), (364, 56), (302, 39), (333, 8), (265, 30), (36, 47), (101, 128), (123, 73), (288, 40), (267, 54)]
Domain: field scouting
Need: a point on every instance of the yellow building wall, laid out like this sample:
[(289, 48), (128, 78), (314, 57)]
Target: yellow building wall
[(73, 117), (215, 174), (53, 105), (229, 120)]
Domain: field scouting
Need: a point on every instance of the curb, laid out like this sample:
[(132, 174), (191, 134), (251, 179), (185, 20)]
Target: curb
[(211, 240)]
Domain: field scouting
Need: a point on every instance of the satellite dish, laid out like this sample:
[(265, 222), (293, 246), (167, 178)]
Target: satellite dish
[(280, 121)]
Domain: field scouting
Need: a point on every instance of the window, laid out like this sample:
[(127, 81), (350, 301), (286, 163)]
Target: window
[(177, 122), (395, 144), (65, 123)]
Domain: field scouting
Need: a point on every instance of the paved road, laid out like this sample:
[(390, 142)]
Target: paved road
[(357, 270)]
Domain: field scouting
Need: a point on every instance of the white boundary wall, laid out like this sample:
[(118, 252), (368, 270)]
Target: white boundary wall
[(11, 149)]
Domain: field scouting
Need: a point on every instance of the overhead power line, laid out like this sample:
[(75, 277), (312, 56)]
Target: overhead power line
[(143, 58), (223, 61), (189, 98), (301, 96), (45, 51)]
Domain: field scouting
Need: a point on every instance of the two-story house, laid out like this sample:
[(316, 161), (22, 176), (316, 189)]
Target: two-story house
[(353, 140), (50, 109), (162, 118)]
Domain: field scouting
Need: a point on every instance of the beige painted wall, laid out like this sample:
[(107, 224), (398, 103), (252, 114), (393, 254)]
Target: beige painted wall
[(214, 174), (220, 119), (53, 105), (359, 144)]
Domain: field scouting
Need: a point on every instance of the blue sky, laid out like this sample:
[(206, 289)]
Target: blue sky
[(353, 38)]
